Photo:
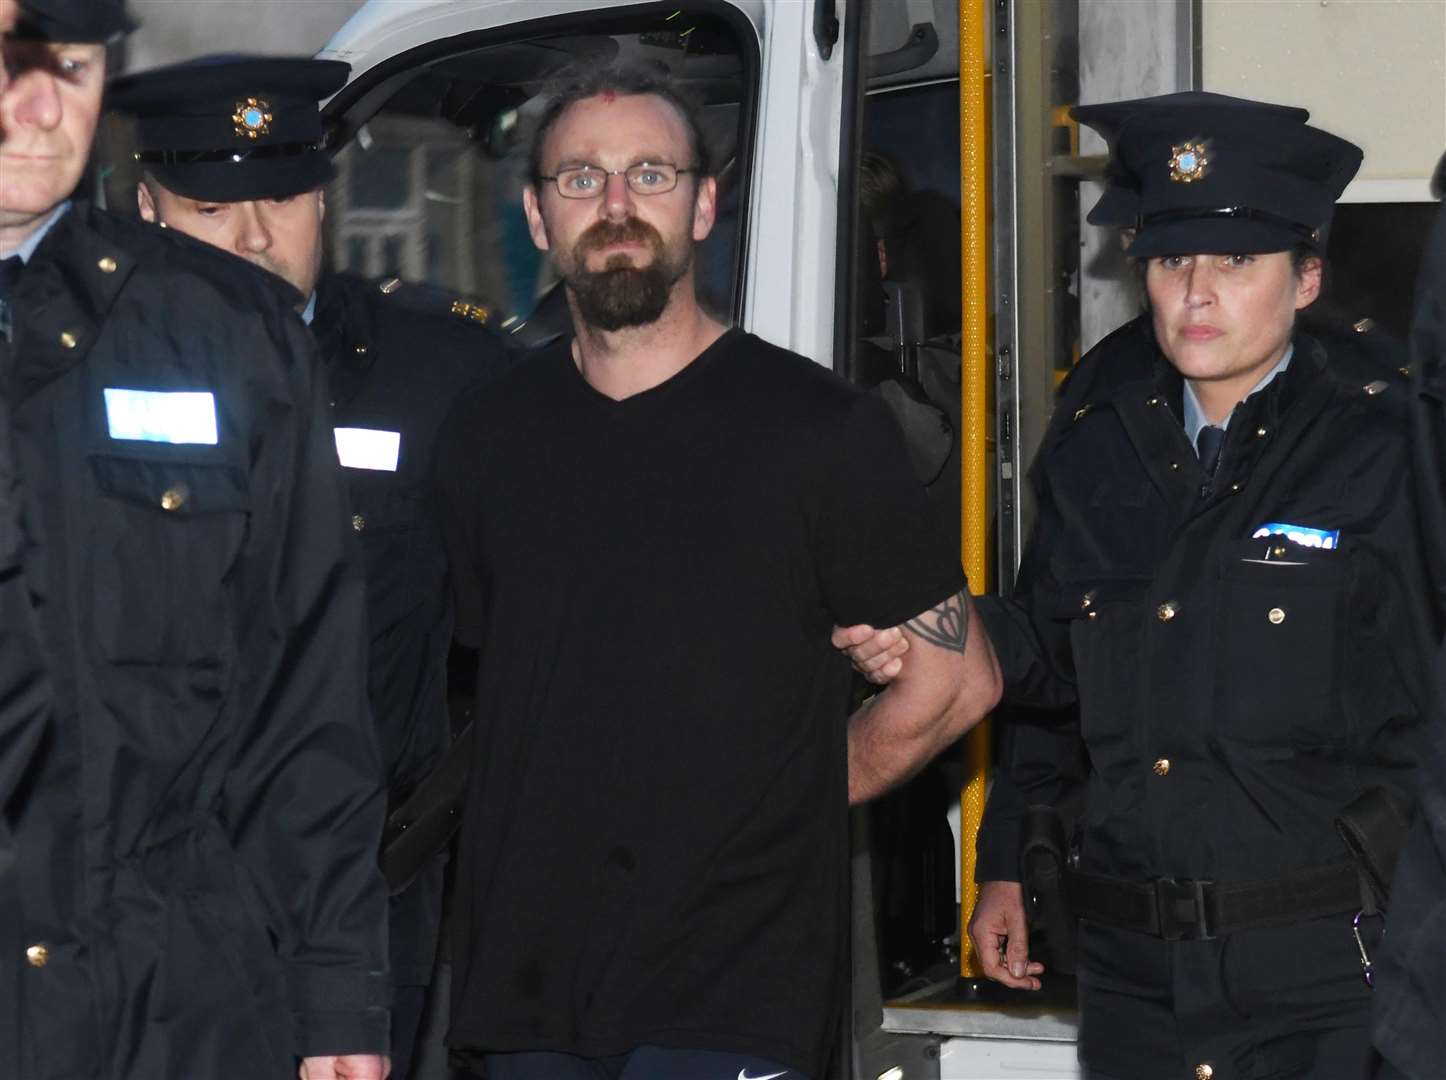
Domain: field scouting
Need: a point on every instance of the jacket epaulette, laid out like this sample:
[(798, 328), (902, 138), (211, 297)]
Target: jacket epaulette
[(148, 245), (434, 301)]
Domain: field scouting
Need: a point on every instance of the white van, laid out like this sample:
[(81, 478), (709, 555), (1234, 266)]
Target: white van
[(992, 286)]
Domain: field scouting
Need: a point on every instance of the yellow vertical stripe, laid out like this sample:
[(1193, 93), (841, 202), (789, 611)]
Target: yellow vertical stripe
[(977, 422)]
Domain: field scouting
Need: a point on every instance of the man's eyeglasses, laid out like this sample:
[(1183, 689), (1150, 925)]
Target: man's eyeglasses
[(589, 181)]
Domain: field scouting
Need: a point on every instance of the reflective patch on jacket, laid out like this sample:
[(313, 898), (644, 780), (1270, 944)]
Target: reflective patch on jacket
[(368, 448), (161, 415)]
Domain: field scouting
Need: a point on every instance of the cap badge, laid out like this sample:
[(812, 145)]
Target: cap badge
[(252, 118), (1189, 163)]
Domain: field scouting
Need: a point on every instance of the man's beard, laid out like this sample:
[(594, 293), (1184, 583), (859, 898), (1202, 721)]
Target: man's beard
[(622, 295)]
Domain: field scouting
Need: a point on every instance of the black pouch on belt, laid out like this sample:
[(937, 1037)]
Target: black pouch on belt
[(1374, 827), (1043, 854), (419, 829)]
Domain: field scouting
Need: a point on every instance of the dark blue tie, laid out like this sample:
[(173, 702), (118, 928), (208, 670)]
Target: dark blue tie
[(1207, 444)]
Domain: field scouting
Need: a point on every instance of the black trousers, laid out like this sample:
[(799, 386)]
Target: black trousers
[(1270, 1004)]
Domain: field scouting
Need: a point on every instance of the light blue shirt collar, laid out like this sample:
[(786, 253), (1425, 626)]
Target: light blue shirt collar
[(309, 312), (1195, 415), (32, 242)]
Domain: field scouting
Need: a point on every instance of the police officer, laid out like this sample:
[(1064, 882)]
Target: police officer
[(197, 895), (1224, 578), (231, 146), (1412, 999), (23, 692)]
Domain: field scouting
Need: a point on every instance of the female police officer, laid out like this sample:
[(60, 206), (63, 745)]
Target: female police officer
[(1224, 578)]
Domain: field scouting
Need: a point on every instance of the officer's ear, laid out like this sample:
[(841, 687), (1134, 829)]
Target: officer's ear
[(145, 202), (1308, 281)]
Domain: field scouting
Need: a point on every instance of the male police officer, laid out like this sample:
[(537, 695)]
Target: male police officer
[(197, 890), (23, 691), (231, 148)]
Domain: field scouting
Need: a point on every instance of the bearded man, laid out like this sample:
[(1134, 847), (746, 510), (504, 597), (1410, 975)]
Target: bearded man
[(654, 855)]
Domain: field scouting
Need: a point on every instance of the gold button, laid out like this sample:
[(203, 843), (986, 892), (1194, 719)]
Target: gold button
[(107, 265), (1406, 371), (1234, 487), (1174, 466), (1166, 611), (1260, 432), (69, 339), (1162, 767), (1278, 550), (1203, 1071), (1276, 616), (173, 498), (1153, 401), (37, 956), (1087, 599), (1093, 615), (361, 350), (358, 522)]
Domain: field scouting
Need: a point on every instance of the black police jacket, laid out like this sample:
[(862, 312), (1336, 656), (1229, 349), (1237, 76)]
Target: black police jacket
[(397, 358), (199, 893), (1411, 995), (1235, 690), (24, 704)]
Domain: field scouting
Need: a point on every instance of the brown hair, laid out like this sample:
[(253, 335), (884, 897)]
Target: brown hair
[(624, 79)]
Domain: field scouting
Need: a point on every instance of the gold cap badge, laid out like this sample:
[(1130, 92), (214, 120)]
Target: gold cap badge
[(252, 118), (1189, 163)]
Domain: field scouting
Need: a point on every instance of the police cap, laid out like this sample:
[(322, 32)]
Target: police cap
[(1120, 203), (88, 21), (232, 128), (1227, 179)]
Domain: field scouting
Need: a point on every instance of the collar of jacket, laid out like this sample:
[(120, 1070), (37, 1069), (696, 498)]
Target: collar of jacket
[(346, 332), (1148, 394), (64, 296)]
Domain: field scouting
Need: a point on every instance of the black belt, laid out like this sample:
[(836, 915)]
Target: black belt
[(1186, 910)]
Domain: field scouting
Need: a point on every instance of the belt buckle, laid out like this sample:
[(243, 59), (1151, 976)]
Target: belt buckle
[(1181, 910)]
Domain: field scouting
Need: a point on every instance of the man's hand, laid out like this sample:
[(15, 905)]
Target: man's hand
[(1001, 936), (877, 655), (346, 1067)]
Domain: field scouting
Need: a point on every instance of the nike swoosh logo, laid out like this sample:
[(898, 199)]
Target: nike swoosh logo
[(743, 1075)]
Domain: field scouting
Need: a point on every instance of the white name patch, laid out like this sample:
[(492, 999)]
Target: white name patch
[(368, 448), (161, 415)]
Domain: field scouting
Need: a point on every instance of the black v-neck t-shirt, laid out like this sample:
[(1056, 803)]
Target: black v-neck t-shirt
[(655, 845)]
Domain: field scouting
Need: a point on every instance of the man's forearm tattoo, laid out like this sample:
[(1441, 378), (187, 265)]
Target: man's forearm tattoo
[(945, 625)]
